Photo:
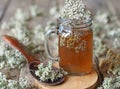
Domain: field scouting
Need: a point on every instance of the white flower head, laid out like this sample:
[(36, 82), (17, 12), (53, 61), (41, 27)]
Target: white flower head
[(75, 9)]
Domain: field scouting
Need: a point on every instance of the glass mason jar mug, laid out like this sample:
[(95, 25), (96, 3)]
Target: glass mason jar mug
[(75, 43)]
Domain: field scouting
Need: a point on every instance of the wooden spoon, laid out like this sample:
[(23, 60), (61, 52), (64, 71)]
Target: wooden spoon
[(32, 62)]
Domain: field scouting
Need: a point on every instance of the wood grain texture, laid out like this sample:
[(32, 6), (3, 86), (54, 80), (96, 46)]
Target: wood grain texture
[(2, 5), (45, 5), (74, 82), (3, 8), (23, 4)]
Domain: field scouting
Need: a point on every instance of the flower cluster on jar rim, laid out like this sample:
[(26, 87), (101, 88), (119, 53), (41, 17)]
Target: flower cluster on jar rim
[(76, 10)]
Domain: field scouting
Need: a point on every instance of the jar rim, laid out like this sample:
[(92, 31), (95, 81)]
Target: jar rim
[(75, 23)]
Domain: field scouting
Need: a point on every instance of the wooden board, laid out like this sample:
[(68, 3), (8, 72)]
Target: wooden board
[(74, 82)]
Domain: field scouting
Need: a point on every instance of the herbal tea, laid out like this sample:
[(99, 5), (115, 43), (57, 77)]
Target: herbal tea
[(76, 51)]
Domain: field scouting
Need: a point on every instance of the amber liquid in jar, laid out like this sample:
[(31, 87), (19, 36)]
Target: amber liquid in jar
[(76, 51)]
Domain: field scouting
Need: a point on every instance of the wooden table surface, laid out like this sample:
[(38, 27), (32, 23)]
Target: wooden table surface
[(8, 7)]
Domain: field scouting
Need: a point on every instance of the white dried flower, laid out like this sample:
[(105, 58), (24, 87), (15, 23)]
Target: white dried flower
[(4, 26), (39, 34), (76, 9), (10, 57), (2, 64), (111, 83), (35, 11), (12, 84), (21, 16), (23, 83), (53, 10), (117, 43), (102, 18), (48, 73)]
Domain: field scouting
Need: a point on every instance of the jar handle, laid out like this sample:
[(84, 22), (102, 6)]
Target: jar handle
[(47, 35)]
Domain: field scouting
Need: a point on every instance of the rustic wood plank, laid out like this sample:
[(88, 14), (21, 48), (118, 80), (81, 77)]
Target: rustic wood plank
[(107, 5), (24, 4), (45, 5), (114, 7), (3, 8), (2, 4)]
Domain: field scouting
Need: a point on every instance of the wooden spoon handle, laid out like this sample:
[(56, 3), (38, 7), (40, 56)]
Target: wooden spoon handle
[(15, 43)]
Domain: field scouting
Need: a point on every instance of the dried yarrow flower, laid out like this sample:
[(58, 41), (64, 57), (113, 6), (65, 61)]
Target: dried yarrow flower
[(110, 83), (76, 10), (47, 72), (12, 84)]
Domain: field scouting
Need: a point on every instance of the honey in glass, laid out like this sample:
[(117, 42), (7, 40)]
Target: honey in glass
[(76, 49)]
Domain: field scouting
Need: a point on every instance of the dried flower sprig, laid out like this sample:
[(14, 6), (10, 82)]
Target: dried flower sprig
[(46, 73), (111, 83), (76, 9), (12, 84)]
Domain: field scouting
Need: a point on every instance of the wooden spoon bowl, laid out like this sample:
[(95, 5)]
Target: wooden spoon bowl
[(32, 62)]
